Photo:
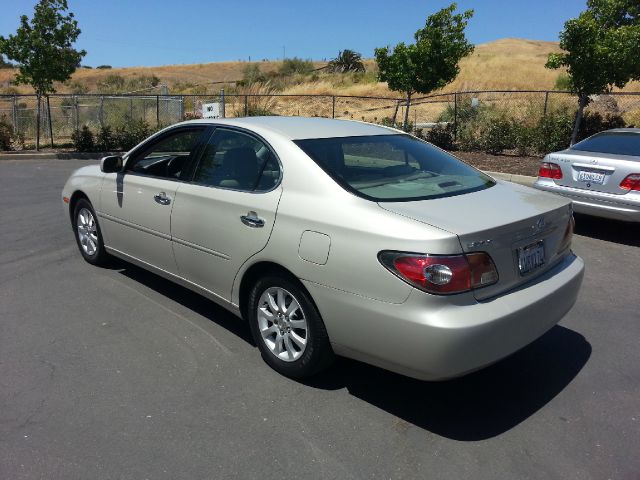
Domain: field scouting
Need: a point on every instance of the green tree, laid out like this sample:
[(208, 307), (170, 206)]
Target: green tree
[(43, 49), (600, 50), (346, 61), (432, 61)]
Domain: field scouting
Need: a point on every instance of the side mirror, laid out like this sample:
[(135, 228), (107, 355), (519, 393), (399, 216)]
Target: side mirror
[(111, 164)]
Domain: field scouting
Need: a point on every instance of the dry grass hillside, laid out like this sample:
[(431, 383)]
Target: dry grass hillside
[(509, 64)]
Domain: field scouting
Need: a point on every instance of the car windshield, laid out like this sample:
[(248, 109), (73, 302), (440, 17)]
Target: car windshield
[(393, 167), (617, 143)]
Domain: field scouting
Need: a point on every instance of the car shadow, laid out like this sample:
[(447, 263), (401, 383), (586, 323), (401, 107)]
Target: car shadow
[(625, 233), (475, 407), (187, 298)]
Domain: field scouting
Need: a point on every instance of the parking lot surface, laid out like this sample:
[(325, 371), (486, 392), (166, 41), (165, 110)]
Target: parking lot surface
[(117, 373)]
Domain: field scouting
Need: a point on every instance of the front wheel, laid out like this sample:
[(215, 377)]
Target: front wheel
[(88, 234), (287, 328)]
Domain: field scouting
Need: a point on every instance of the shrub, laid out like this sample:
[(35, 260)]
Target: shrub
[(105, 140), (104, 67), (83, 140), (295, 65), (130, 133), (497, 135), (563, 83), (553, 132), (441, 136), (594, 122), (524, 138), (6, 134)]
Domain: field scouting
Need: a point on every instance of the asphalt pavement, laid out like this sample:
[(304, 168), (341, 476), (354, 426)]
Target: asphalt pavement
[(117, 373)]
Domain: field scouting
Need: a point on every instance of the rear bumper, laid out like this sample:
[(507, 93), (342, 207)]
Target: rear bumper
[(434, 338), (599, 204)]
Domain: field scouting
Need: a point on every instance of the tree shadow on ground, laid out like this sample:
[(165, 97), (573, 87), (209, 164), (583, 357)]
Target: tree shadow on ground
[(625, 233), (478, 406)]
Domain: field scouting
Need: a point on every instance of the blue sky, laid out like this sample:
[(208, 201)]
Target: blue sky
[(146, 32)]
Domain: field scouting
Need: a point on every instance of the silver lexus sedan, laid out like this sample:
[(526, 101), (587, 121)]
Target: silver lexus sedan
[(336, 237), (600, 174)]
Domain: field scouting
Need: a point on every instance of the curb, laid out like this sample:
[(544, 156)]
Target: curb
[(512, 177), (56, 155)]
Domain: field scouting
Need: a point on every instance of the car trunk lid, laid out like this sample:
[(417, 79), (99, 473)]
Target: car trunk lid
[(599, 172), (520, 228)]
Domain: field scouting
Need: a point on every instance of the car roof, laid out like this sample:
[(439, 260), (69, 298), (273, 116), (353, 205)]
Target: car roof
[(298, 128), (622, 130)]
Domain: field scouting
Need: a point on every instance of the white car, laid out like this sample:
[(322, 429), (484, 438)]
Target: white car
[(600, 174), (336, 237)]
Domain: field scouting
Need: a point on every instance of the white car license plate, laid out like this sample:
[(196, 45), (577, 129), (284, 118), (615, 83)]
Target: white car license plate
[(591, 177), (531, 257)]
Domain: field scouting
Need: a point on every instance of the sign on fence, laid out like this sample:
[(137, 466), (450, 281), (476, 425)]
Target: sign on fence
[(211, 110)]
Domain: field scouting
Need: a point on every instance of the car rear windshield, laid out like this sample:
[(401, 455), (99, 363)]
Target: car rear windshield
[(393, 167), (617, 143)]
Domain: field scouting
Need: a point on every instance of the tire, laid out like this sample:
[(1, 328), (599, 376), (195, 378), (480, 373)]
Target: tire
[(88, 234), (292, 340)]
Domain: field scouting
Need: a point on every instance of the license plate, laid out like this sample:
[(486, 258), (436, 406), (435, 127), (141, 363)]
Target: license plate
[(591, 177), (531, 257)]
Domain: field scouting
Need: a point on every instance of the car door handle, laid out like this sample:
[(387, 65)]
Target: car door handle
[(162, 198), (252, 219)]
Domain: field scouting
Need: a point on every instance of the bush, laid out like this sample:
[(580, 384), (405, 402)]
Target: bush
[(553, 132), (497, 135), (105, 140), (441, 136), (594, 122), (563, 83), (103, 67), (83, 140), (6, 135), (130, 133), (291, 66)]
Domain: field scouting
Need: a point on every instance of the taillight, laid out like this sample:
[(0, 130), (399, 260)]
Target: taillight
[(550, 170), (631, 182), (568, 235), (442, 274)]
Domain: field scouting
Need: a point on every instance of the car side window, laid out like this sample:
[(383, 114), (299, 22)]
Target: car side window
[(237, 161), (168, 156)]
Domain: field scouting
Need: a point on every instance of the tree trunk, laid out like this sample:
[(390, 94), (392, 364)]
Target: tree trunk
[(583, 101), (39, 97), (405, 126)]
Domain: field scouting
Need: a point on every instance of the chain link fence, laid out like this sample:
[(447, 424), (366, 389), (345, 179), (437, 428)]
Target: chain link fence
[(62, 114)]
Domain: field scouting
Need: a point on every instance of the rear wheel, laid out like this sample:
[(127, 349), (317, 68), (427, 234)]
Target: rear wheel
[(287, 328), (88, 234)]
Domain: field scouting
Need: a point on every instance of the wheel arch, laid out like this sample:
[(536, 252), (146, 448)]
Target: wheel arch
[(259, 270), (73, 200)]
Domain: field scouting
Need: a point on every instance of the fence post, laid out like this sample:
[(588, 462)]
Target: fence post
[(75, 104), (333, 107), (222, 109), (49, 118), (546, 103), (246, 105), (455, 116), (157, 111), (15, 115), (101, 112)]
